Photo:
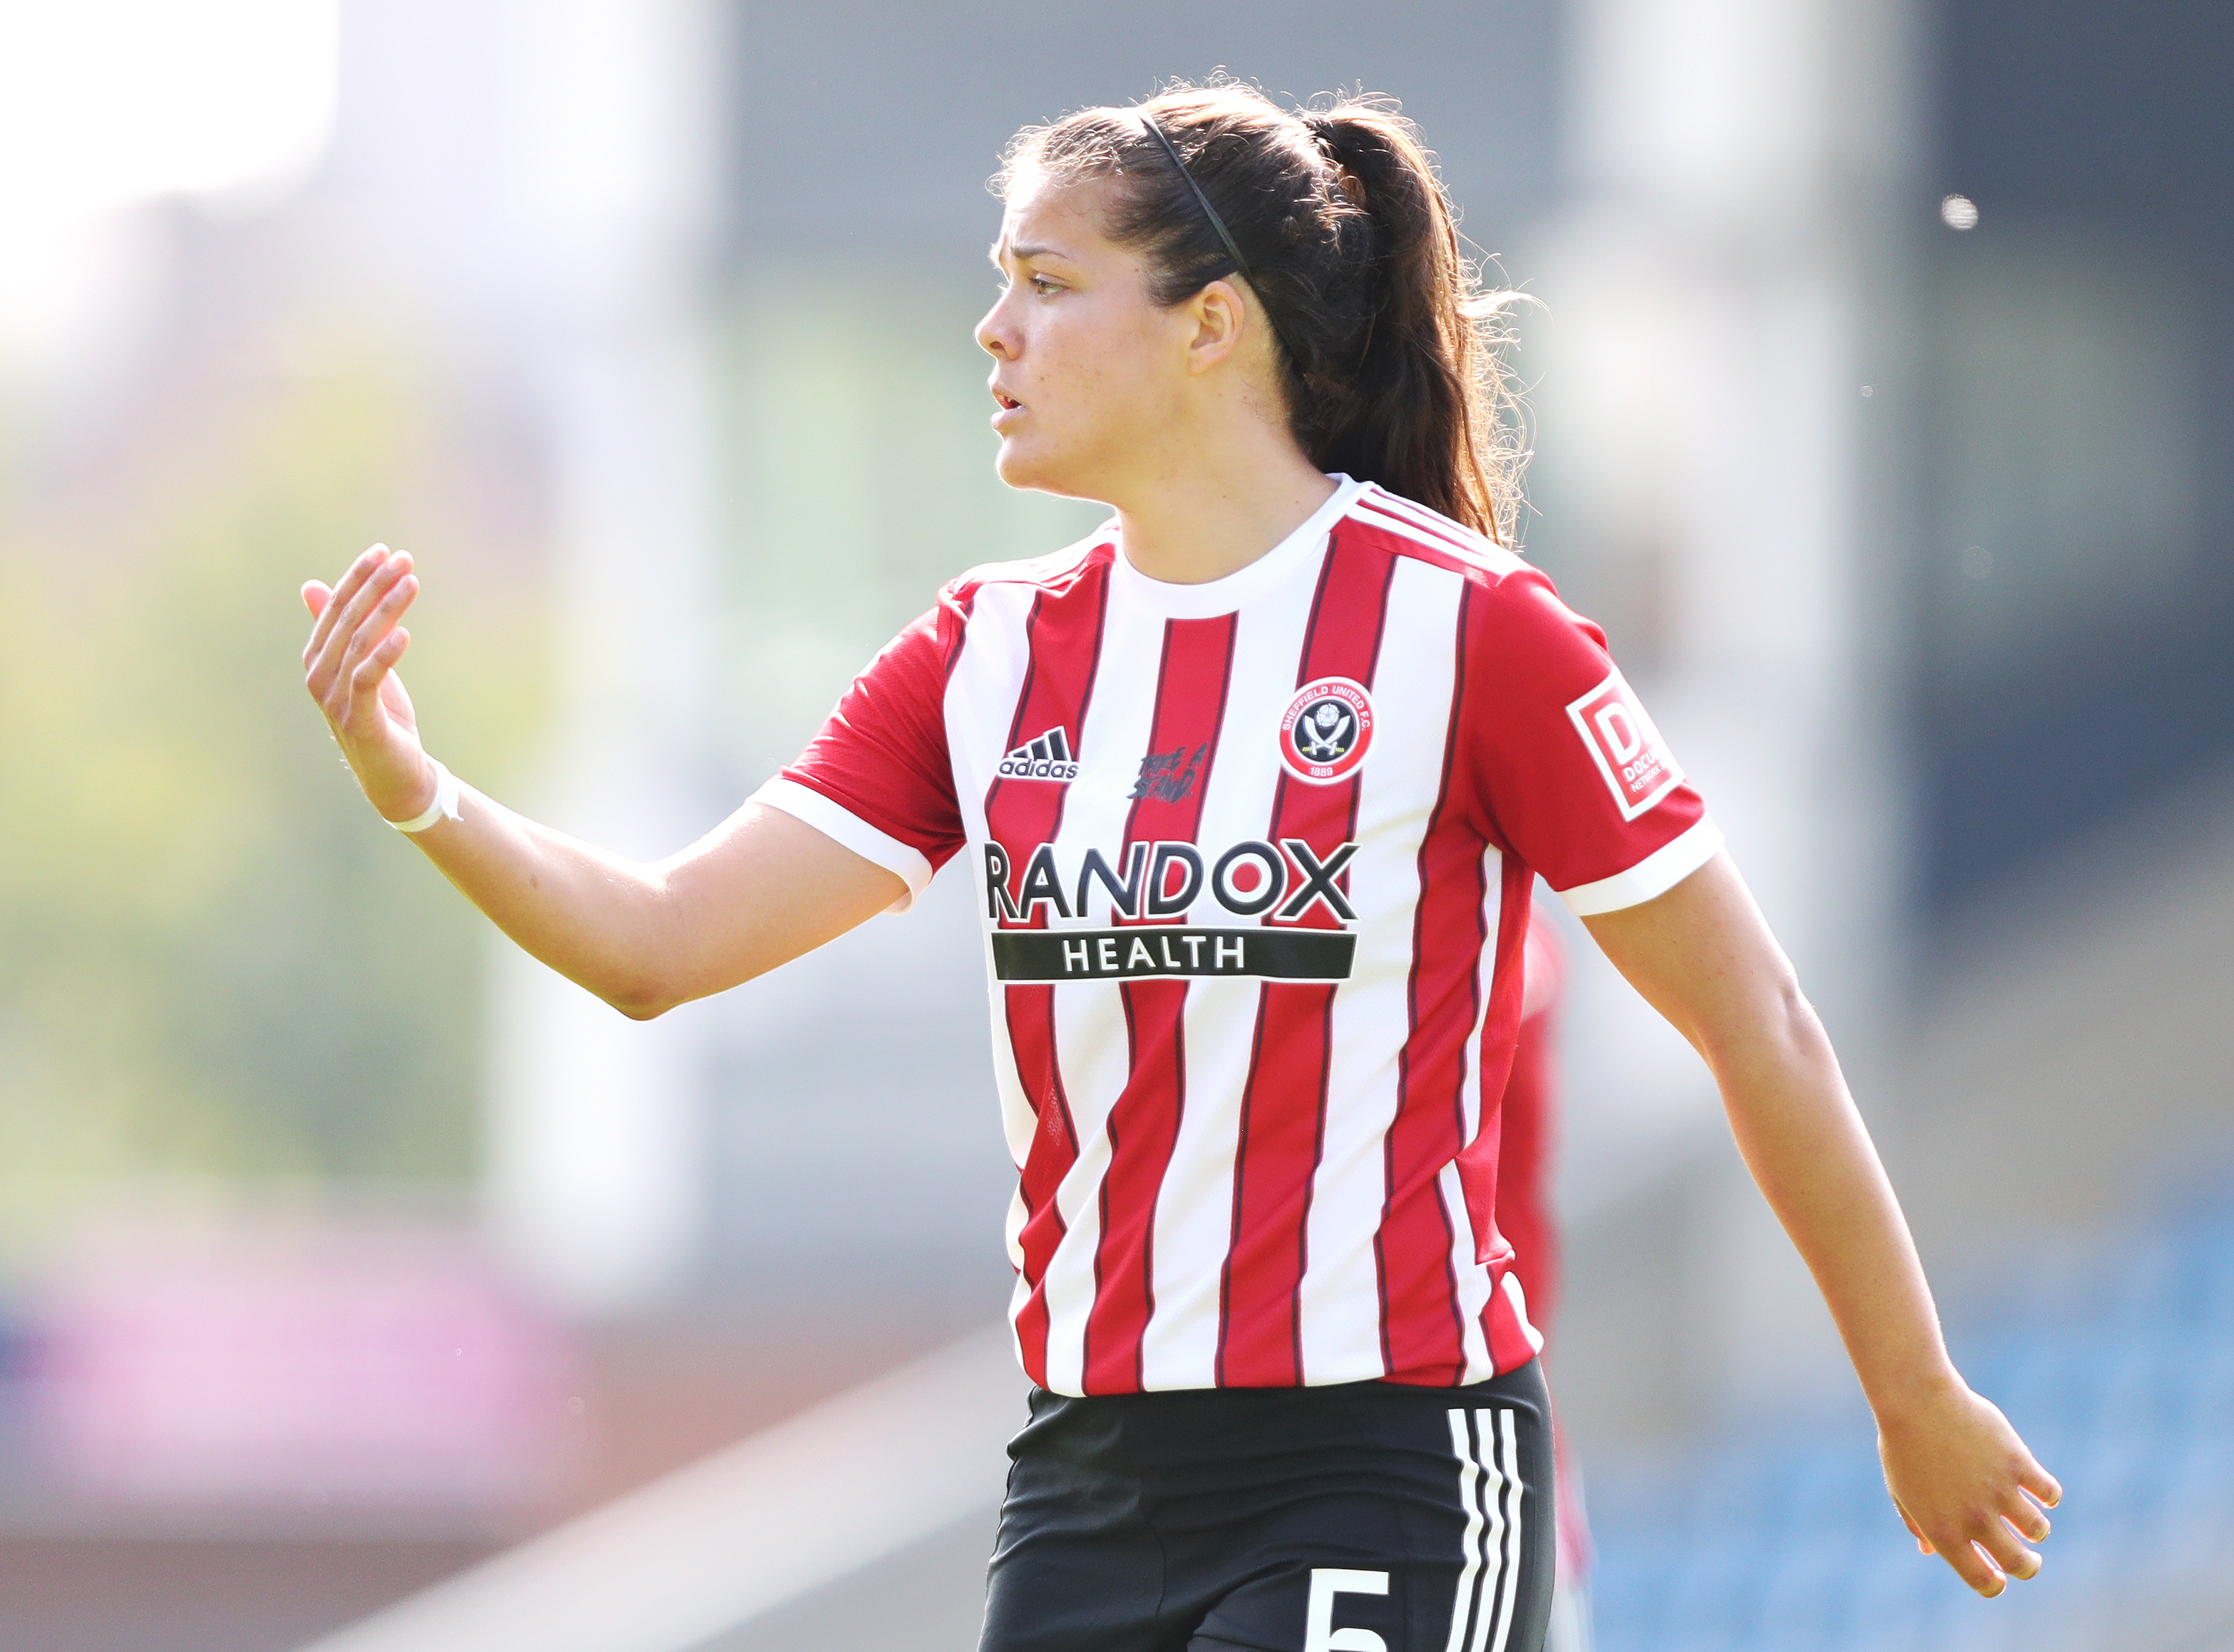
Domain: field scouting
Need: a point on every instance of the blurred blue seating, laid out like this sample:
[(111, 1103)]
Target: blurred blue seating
[(2115, 1360)]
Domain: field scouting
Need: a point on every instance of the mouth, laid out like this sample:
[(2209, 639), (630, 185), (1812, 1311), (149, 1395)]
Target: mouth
[(1006, 408)]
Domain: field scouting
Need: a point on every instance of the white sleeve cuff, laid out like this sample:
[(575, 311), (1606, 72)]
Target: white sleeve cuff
[(1656, 874), (842, 826)]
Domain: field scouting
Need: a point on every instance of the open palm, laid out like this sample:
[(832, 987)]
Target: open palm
[(349, 666)]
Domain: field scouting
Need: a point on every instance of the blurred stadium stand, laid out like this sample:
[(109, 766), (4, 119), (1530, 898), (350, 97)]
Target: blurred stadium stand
[(2073, 1044), (2115, 1355)]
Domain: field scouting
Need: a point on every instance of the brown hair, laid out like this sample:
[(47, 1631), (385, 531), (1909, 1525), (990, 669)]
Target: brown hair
[(1390, 353)]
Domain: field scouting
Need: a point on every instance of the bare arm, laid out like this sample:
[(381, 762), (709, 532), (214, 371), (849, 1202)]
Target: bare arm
[(1703, 957), (757, 892)]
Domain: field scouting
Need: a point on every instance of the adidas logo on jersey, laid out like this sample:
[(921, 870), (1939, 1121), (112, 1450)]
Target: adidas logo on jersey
[(1047, 758)]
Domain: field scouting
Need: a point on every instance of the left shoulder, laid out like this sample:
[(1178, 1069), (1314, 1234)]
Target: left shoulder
[(1410, 529), (1516, 611)]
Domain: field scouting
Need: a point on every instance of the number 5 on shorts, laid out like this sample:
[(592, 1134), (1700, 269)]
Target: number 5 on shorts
[(1319, 1633)]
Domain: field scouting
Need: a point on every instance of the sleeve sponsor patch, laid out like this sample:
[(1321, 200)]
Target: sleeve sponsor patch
[(1638, 768)]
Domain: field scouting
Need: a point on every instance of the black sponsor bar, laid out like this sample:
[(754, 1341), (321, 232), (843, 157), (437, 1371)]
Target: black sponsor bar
[(1149, 950)]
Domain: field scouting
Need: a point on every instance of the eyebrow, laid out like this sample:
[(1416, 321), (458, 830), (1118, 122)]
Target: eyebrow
[(1021, 253)]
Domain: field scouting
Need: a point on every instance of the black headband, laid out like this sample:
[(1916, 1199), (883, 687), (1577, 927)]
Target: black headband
[(1232, 247)]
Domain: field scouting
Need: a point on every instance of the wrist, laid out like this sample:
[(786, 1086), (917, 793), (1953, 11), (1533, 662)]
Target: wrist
[(442, 800), (1896, 1397)]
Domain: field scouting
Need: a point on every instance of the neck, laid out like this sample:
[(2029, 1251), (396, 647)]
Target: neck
[(1221, 507)]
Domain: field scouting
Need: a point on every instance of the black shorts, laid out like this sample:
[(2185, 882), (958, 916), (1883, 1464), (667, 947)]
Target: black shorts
[(1368, 1517)]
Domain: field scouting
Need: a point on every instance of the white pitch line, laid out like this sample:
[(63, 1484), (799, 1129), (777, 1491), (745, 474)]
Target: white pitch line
[(668, 1567)]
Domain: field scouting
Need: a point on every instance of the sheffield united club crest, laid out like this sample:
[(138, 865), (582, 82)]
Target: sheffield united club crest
[(1327, 730)]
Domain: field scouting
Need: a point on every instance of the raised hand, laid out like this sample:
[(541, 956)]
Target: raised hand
[(1968, 1489), (349, 666)]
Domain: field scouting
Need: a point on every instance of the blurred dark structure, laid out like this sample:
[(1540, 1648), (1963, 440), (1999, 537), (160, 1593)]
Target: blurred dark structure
[(883, 149), (2076, 589)]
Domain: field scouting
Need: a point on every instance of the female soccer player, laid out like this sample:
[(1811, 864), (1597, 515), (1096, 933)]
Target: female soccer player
[(1252, 786)]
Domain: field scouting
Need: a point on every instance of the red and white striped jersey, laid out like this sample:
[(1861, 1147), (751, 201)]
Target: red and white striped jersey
[(1253, 858)]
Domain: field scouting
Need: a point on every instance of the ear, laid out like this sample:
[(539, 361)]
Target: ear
[(1221, 315)]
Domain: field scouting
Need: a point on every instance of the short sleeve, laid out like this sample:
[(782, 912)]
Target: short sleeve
[(878, 778), (1568, 769)]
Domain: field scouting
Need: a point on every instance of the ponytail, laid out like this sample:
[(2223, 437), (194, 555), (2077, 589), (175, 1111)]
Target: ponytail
[(1390, 358)]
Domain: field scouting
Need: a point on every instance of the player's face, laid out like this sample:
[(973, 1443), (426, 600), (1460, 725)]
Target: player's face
[(1086, 369)]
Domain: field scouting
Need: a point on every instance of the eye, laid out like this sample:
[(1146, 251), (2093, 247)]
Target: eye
[(1046, 286)]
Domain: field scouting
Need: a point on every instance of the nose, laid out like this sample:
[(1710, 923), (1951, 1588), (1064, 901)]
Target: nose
[(994, 335)]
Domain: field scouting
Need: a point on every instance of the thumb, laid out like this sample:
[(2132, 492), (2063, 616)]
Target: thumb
[(1923, 1543), (316, 595)]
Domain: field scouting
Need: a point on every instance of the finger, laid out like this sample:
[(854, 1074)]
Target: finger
[(370, 614), (2042, 1484), (2026, 1516), (2009, 1550), (1988, 1579), (1923, 1543), (378, 627), (349, 651), (352, 581), (356, 598), (365, 680), (1976, 1567), (394, 697), (330, 637), (318, 598)]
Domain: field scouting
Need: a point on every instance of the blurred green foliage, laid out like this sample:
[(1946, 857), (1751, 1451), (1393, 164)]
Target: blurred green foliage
[(858, 462), (216, 963), (217, 966)]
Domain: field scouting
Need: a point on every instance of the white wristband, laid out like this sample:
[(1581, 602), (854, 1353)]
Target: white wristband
[(445, 805)]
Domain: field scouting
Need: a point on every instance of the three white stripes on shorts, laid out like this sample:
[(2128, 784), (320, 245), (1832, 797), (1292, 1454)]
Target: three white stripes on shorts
[(1490, 1490)]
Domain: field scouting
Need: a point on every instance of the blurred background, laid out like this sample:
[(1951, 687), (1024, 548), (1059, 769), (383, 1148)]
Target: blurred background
[(359, 1280)]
